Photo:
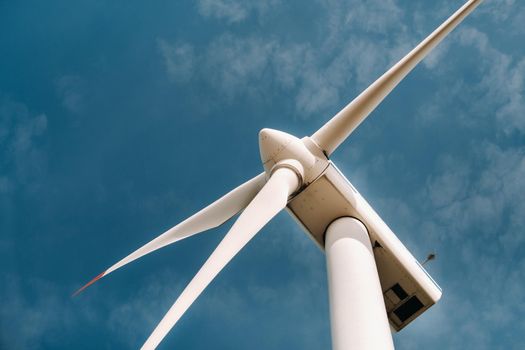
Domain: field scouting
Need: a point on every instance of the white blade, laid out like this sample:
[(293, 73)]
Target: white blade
[(269, 201), (336, 130), (212, 216)]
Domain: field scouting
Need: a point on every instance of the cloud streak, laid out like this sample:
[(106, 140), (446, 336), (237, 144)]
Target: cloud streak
[(234, 11), (22, 160)]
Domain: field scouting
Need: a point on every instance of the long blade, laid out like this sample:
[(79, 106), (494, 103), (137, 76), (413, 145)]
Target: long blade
[(336, 130), (268, 202), (212, 216)]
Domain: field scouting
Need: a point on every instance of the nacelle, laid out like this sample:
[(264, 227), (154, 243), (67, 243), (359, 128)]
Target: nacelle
[(408, 290), (277, 146)]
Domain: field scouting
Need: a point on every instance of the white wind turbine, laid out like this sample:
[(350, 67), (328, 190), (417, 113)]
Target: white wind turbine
[(375, 283)]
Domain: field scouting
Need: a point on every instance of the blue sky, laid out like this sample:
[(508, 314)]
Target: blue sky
[(120, 119)]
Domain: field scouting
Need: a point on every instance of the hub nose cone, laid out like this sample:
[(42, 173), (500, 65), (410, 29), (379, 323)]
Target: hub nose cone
[(277, 146), (271, 142)]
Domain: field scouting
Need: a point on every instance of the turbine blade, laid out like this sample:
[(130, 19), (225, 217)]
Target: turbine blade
[(336, 130), (269, 201), (212, 216)]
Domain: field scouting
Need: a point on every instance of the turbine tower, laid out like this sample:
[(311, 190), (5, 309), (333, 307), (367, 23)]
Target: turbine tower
[(375, 283)]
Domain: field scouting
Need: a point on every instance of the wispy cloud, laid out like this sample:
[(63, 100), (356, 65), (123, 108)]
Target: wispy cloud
[(500, 10), (30, 322), (234, 65), (22, 159), (374, 16), (234, 11), (450, 186), (40, 309), (315, 73), (178, 59), (132, 319), (469, 209), (70, 90), (495, 82), (503, 80)]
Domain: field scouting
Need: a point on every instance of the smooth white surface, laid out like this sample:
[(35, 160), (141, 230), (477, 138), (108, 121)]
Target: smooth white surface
[(212, 216), (357, 310), (276, 145), (336, 130), (267, 203)]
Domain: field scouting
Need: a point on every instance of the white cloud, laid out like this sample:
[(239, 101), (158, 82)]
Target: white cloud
[(465, 201), (512, 112), (500, 10), (480, 86), (21, 157), (289, 61), (237, 65), (178, 59), (504, 180), (5, 184), (25, 323), (503, 80), (376, 16), (234, 11), (494, 80), (317, 92), (316, 74), (471, 210), (36, 310), (450, 186), (133, 319), (71, 91)]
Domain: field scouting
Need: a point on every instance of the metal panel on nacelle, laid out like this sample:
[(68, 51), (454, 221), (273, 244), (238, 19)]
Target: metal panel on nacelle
[(408, 290)]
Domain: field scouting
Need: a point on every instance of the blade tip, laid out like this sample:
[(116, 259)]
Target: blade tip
[(88, 284)]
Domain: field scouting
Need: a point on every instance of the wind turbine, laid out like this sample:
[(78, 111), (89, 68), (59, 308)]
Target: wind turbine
[(375, 283)]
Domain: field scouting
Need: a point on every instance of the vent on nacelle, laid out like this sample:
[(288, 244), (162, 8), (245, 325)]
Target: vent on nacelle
[(403, 306), (408, 308)]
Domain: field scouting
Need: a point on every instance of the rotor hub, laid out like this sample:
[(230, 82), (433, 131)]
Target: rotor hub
[(280, 149)]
